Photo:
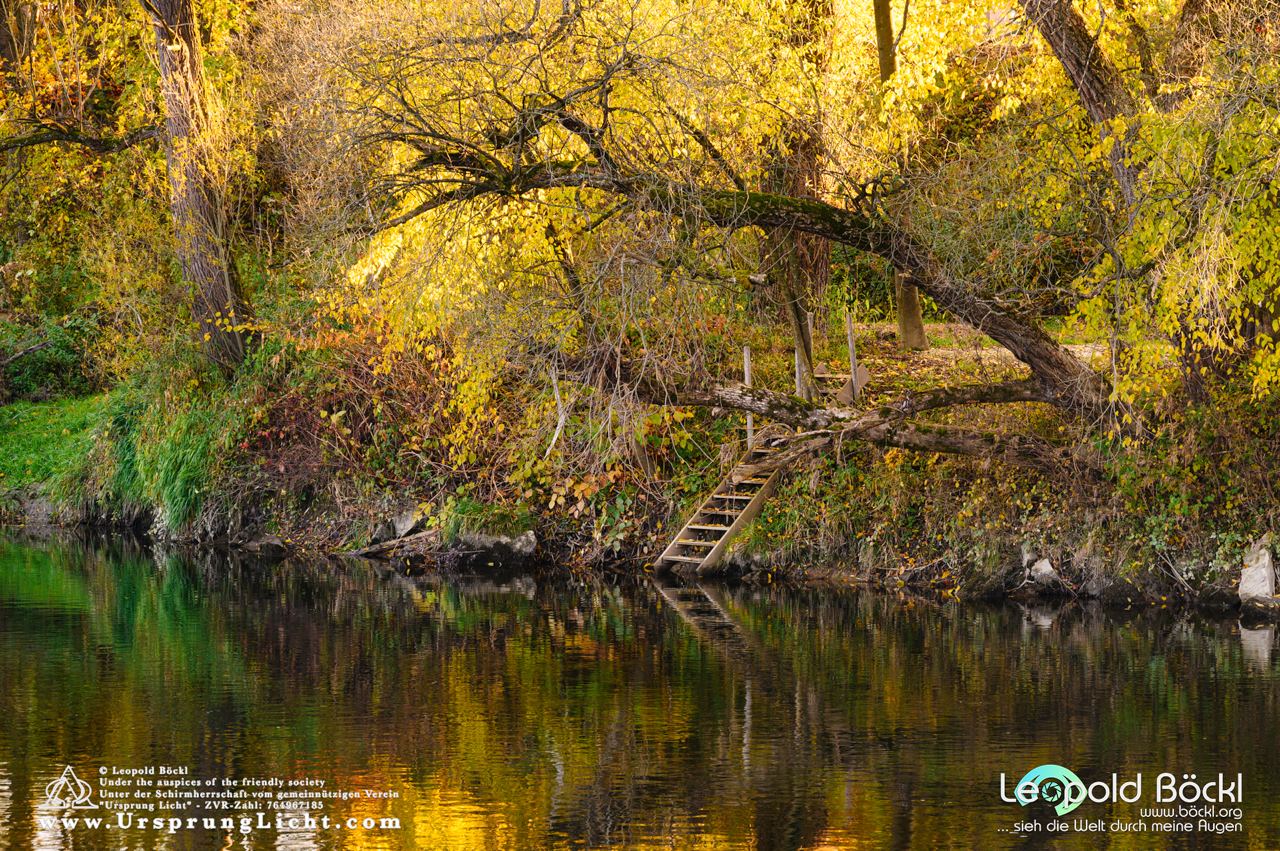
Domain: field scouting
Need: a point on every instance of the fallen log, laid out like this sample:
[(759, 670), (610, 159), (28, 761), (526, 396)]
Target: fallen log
[(398, 546)]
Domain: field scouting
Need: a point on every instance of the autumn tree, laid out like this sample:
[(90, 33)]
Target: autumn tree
[(1171, 214), (596, 162), (193, 144), (72, 84)]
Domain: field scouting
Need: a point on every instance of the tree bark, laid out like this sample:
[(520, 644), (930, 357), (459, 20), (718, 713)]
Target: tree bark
[(1096, 80), (911, 335), (802, 261), (17, 30), (196, 200)]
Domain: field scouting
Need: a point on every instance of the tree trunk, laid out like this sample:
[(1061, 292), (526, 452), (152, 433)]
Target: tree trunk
[(196, 199), (1096, 80), (17, 29), (911, 336), (802, 261)]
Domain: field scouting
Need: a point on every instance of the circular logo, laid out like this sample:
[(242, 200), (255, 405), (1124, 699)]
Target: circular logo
[(1052, 784)]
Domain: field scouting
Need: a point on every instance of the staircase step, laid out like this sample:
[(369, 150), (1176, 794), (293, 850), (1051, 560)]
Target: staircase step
[(737, 496), (691, 543), (701, 528), (684, 559)]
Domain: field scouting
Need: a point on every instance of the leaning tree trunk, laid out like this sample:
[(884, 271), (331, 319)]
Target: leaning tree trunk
[(196, 199), (1096, 80), (911, 334)]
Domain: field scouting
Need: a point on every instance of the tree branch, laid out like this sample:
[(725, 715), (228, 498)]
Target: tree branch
[(887, 425), (1195, 26), (32, 349), (53, 133)]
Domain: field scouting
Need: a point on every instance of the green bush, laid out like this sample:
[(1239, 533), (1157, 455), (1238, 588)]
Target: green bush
[(55, 371)]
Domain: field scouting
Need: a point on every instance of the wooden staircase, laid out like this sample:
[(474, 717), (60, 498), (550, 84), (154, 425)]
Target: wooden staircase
[(701, 542)]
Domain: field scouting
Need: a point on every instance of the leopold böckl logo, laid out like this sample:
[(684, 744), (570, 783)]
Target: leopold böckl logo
[(1052, 784), (70, 791)]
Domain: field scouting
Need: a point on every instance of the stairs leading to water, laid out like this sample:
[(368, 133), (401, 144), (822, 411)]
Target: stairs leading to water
[(701, 543)]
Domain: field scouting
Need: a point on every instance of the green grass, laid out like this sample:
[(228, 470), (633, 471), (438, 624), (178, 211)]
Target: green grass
[(466, 516), (164, 456), (40, 441)]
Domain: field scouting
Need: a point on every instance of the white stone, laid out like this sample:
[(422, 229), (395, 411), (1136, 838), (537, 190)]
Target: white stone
[(407, 523), (1029, 556), (1258, 578), (522, 545), (1042, 573)]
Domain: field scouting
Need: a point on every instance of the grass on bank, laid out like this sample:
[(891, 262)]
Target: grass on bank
[(43, 441)]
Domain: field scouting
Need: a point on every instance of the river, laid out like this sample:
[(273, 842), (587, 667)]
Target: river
[(341, 705)]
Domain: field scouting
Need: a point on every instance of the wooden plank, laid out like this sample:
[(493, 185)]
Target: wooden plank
[(852, 389), (855, 387)]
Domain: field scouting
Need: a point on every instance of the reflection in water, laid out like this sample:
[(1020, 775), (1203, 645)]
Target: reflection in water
[(1256, 645), (557, 711)]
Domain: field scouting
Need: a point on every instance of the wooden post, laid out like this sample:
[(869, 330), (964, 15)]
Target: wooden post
[(799, 383), (853, 354), (746, 379)]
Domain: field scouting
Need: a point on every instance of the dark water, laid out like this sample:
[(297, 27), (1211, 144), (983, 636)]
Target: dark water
[(531, 712)]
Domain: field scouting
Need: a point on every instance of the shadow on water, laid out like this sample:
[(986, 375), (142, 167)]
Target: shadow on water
[(551, 710)]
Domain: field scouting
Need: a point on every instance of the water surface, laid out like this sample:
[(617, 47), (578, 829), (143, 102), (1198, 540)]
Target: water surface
[(540, 711)]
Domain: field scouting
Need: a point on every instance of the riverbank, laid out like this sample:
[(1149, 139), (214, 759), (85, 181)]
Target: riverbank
[(311, 454)]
